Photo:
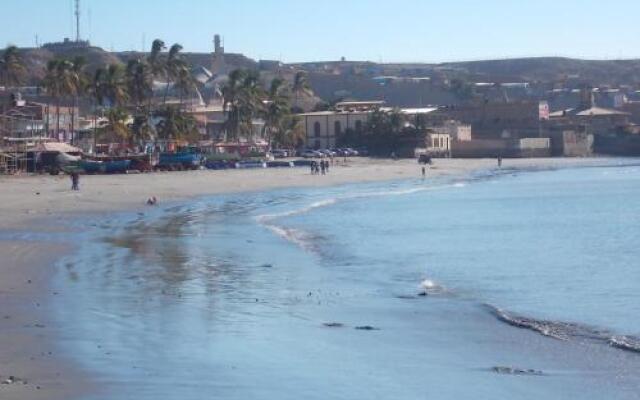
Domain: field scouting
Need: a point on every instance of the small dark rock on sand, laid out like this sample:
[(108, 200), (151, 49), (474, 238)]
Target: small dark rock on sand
[(333, 324)]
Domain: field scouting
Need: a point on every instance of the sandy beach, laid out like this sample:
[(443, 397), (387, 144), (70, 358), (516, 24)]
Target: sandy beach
[(29, 334), (25, 198)]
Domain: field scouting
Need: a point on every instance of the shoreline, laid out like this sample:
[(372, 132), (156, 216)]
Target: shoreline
[(26, 199), (30, 334)]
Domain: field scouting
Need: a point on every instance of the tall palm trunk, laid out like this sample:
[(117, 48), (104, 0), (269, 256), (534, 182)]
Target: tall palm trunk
[(73, 120), (57, 118), (95, 128), (47, 110), (166, 92)]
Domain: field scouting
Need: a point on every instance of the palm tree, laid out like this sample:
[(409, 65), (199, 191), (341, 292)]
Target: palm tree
[(12, 69), (276, 110), (173, 65), (300, 86), (156, 63), (176, 124), (79, 85), (155, 58), (51, 86), (139, 83), (291, 134), (59, 83), (97, 91), (117, 123), (231, 93), (184, 82), (115, 85), (242, 101), (249, 103)]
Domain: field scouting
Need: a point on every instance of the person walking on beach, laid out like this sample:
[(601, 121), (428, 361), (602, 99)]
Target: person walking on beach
[(75, 181), (313, 167), (424, 172), (322, 168), (499, 161), (326, 166)]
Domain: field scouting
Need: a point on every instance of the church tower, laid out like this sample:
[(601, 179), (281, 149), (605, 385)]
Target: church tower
[(218, 66)]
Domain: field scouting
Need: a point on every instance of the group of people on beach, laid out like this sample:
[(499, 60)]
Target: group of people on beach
[(319, 167)]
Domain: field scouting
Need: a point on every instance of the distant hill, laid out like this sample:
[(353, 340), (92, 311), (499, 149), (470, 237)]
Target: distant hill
[(352, 79), (547, 69), (36, 59)]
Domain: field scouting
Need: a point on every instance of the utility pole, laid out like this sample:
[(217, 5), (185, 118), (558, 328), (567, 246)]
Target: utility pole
[(77, 20)]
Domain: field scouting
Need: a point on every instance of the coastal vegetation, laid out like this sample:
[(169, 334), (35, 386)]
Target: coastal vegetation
[(145, 99), (386, 132)]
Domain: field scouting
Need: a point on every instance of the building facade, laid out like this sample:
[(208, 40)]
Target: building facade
[(455, 129), (322, 129)]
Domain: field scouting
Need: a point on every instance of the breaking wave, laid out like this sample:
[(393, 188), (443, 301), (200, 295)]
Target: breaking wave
[(628, 343), (296, 236), (430, 287), (318, 204), (303, 239), (566, 331)]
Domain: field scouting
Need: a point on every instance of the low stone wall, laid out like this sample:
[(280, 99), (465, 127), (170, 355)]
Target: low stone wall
[(489, 148), (482, 148)]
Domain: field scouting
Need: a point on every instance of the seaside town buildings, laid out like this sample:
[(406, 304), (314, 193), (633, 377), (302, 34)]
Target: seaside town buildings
[(507, 118)]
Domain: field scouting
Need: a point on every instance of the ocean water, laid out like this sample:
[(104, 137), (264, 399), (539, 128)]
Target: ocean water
[(498, 285)]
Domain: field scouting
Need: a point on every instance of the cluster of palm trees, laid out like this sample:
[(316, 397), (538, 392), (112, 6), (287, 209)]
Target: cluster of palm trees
[(125, 96), (126, 92), (245, 99)]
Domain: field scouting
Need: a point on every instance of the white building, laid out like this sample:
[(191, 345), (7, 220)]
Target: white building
[(322, 129), (455, 129), (438, 144)]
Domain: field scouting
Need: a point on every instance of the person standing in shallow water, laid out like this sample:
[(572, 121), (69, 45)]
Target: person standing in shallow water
[(424, 172), (499, 161)]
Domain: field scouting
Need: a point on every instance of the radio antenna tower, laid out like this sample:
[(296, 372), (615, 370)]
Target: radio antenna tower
[(77, 20)]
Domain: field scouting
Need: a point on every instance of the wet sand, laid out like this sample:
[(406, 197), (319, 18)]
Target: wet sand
[(30, 367), (27, 351)]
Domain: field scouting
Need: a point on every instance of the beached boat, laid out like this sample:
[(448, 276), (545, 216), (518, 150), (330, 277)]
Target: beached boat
[(105, 167), (250, 164), (177, 161), (279, 164)]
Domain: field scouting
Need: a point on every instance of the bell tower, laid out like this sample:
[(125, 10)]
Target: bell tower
[(218, 66)]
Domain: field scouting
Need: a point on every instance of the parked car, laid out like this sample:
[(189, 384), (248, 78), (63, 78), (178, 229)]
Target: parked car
[(311, 154), (279, 153), (327, 153)]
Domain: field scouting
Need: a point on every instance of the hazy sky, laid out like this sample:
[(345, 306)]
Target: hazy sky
[(299, 30)]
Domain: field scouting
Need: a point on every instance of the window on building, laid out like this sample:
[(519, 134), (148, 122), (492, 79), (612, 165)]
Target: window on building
[(358, 125), (316, 144), (316, 129), (337, 128)]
